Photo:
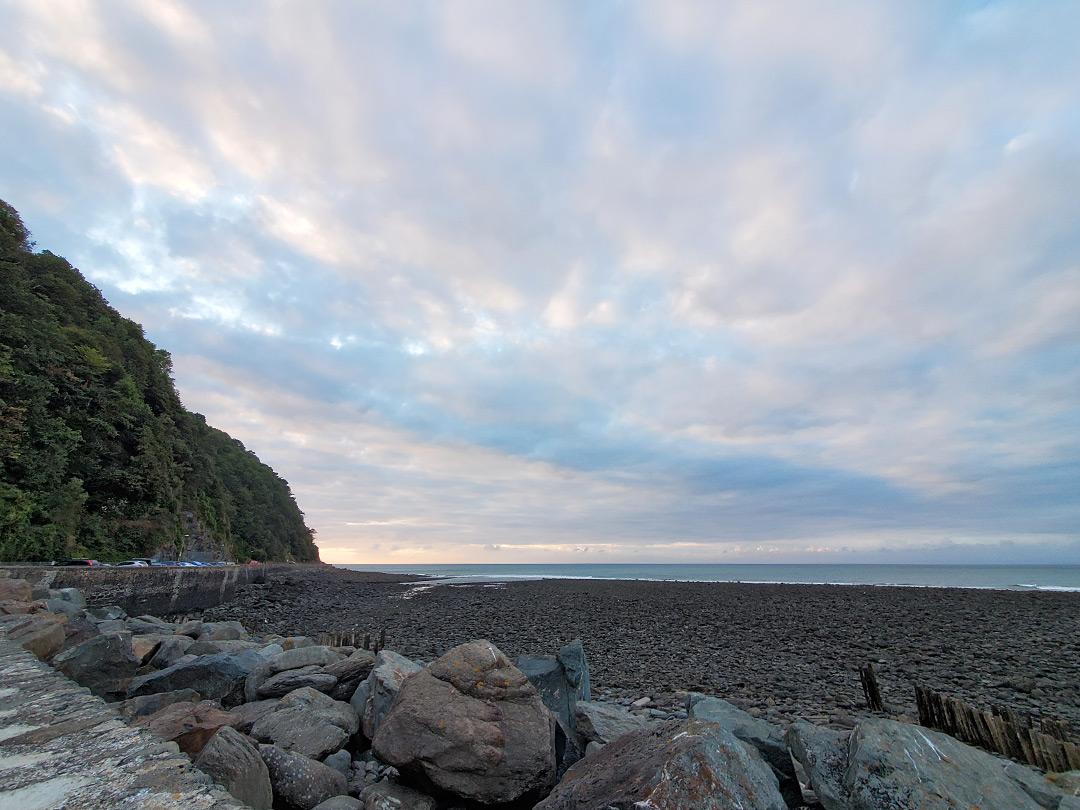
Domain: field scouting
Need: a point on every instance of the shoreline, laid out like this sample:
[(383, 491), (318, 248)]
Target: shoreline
[(781, 651)]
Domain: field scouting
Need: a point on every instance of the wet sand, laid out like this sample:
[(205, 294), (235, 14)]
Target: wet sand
[(783, 651)]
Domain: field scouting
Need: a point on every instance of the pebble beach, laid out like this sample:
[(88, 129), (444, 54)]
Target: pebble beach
[(779, 651)]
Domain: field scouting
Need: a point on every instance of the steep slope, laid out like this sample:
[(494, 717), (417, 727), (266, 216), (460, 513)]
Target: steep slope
[(98, 457)]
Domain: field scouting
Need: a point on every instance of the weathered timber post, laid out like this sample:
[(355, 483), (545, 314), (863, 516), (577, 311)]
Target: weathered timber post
[(870, 688)]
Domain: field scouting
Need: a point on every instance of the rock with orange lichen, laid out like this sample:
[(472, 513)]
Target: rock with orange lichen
[(471, 724)]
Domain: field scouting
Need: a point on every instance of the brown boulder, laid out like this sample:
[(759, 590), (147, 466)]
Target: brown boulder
[(40, 633), (471, 724), (189, 725), (14, 590)]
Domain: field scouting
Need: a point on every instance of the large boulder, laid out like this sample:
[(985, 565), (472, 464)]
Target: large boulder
[(284, 682), (373, 698), (189, 725), (221, 631), (146, 705), (604, 722), (233, 761), (308, 722), (104, 664), (764, 736), (248, 714), (889, 764), (215, 677), (350, 672), (472, 725), (172, 649), (309, 659), (299, 782), (561, 681), (41, 634), (14, 590), (679, 765)]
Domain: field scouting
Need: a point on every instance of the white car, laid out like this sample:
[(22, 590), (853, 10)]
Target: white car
[(132, 564)]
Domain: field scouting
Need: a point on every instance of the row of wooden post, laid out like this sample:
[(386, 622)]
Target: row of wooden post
[(350, 640), (1000, 730)]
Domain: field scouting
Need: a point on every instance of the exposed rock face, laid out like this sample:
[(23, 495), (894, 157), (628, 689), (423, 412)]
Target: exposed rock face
[(299, 782), (680, 765), (189, 725), (309, 723), (472, 725), (104, 664), (233, 761), (215, 677), (764, 736), (373, 698), (603, 722)]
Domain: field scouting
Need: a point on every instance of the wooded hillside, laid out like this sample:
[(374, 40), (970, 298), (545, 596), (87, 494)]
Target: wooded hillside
[(98, 457)]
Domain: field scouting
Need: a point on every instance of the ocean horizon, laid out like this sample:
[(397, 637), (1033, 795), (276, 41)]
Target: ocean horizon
[(992, 577)]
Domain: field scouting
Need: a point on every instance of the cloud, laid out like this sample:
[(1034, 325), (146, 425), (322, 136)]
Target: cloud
[(651, 281)]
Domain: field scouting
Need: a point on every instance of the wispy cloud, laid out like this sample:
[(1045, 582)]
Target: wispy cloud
[(656, 280)]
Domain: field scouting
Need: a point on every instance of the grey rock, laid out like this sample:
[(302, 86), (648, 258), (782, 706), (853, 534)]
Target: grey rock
[(350, 672), (679, 765), (222, 631), (604, 722), (387, 795), (576, 666), (822, 753), (270, 650), (296, 642), (313, 655), (340, 761), (285, 661), (300, 783), (764, 736), (1035, 785), (106, 613), (373, 698), (103, 664), (472, 725), (148, 624), (308, 722), (216, 677), (284, 682), (74, 596), (593, 747), (203, 646), (192, 628), (248, 714), (233, 761), (113, 626), (340, 803), (64, 607), (171, 650), (146, 705)]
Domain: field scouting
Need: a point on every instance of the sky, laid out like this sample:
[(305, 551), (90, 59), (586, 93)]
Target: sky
[(575, 282)]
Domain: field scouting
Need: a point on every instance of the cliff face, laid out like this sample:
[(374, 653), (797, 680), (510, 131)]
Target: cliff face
[(98, 457)]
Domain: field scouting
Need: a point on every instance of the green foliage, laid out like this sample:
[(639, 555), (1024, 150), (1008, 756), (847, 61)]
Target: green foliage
[(98, 457)]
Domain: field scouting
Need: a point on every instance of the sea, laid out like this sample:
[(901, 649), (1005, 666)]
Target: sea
[(994, 577)]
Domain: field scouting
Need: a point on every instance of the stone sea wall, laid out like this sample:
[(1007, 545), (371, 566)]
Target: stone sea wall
[(158, 591)]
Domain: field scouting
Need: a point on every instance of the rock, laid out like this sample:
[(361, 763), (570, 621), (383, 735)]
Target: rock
[(62, 606), (296, 642), (73, 595), (340, 761), (113, 626), (387, 795), (76, 631), (308, 722), (679, 765), (823, 755), (270, 650), (299, 782), (892, 764), (104, 664), (572, 657), (1035, 785), (170, 651), (189, 725), (472, 725), (248, 714), (314, 655), (286, 661), (1066, 781), (373, 698), (15, 590), (149, 625), (560, 689), (146, 705), (284, 682), (603, 722), (765, 737), (340, 803), (144, 647), (233, 761), (204, 647), (215, 677), (192, 628), (41, 634), (106, 613), (350, 672), (222, 631)]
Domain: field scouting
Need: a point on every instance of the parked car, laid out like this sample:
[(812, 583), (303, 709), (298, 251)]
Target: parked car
[(79, 561), (132, 564)]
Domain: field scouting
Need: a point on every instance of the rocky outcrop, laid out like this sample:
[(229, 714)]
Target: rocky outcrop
[(679, 765), (233, 761), (472, 725)]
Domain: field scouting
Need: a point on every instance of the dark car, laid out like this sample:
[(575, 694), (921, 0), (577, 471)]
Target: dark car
[(80, 561)]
